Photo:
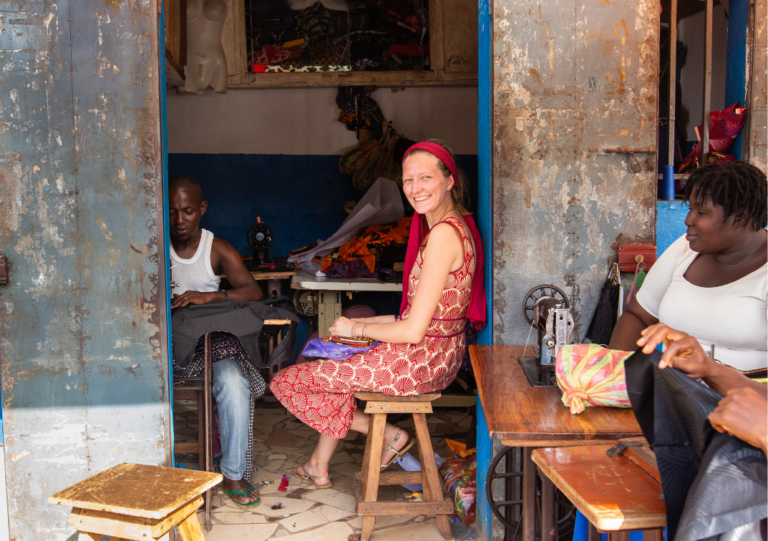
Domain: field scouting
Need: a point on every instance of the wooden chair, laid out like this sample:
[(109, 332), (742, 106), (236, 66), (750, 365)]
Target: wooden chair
[(202, 395), (367, 482), (137, 502)]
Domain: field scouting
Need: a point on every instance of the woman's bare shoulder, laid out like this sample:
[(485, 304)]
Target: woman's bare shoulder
[(444, 239)]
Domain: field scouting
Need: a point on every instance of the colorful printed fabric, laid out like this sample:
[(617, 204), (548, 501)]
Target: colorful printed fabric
[(591, 375), (374, 237), (724, 127), (322, 393)]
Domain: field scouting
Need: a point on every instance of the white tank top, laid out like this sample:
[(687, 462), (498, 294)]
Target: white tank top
[(195, 274)]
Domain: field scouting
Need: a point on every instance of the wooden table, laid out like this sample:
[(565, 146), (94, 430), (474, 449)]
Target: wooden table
[(520, 415), (273, 279), (134, 501), (616, 494), (330, 290)]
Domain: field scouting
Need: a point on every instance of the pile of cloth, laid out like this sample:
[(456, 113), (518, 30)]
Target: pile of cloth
[(370, 250), (337, 35)]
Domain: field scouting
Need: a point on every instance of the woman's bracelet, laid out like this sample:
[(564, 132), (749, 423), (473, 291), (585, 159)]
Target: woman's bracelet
[(353, 328), (364, 326)]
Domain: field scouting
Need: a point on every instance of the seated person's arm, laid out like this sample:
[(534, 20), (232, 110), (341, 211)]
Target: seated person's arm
[(743, 413), (642, 311), (630, 325), (224, 259), (244, 286), (444, 251), (374, 319), (686, 354)]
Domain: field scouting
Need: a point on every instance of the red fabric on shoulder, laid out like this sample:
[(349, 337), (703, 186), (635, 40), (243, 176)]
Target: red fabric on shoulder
[(476, 313)]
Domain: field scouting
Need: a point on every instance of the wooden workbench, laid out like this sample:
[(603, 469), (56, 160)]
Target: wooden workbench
[(520, 415)]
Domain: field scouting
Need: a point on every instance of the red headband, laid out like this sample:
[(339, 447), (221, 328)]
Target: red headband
[(440, 153)]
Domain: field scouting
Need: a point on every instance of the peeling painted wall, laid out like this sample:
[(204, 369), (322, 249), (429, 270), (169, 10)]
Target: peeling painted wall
[(571, 79), (83, 347), (758, 122)]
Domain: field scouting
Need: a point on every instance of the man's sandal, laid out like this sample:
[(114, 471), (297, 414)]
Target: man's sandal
[(308, 477), (250, 505), (399, 453)]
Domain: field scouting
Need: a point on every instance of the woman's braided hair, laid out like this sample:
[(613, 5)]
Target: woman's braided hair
[(739, 187)]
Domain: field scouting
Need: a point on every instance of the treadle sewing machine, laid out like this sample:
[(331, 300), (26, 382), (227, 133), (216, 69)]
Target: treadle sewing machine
[(546, 309)]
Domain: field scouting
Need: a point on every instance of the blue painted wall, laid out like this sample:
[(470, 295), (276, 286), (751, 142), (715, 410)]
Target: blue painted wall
[(670, 216), (300, 197)]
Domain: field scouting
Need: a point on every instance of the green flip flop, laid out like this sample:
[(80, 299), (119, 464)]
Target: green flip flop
[(246, 506)]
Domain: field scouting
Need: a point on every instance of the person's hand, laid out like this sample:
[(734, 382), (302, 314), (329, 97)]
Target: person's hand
[(344, 326), (192, 297), (743, 413), (682, 351)]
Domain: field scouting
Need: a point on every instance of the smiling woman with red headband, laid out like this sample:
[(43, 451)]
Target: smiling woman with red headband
[(421, 350)]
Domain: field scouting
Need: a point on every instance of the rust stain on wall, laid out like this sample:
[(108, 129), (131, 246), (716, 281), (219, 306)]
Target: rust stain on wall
[(560, 202)]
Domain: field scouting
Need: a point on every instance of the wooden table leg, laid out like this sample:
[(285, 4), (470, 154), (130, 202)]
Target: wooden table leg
[(548, 526), (190, 530), (593, 534), (618, 536), (529, 496), (87, 536)]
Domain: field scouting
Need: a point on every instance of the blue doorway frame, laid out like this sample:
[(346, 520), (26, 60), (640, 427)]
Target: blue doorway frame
[(485, 225)]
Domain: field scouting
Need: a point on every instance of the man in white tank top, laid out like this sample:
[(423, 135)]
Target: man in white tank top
[(198, 260)]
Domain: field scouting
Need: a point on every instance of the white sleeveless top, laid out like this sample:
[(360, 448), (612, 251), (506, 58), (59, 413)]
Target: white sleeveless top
[(195, 274), (733, 316)]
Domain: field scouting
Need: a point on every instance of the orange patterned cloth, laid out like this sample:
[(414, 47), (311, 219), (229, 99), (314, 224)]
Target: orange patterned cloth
[(321, 393), (359, 246)]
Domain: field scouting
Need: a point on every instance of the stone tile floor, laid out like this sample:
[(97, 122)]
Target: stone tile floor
[(280, 442)]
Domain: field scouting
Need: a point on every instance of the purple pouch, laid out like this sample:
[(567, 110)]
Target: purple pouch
[(336, 352)]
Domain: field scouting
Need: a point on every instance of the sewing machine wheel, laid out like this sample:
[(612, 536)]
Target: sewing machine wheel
[(538, 293), (305, 302), (259, 236)]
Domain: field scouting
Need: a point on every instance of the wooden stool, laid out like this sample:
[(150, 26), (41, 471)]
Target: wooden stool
[(617, 494), (139, 503), (368, 481)]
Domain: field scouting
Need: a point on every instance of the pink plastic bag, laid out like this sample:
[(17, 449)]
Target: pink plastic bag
[(591, 375)]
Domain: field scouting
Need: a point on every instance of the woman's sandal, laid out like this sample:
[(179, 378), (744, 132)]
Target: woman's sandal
[(399, 453), (247, 506), (308, 477)]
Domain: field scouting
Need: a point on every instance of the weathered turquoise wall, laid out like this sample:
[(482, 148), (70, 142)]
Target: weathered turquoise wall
[(83, 343)]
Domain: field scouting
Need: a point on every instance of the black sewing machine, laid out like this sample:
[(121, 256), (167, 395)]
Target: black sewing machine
[(545, 308)]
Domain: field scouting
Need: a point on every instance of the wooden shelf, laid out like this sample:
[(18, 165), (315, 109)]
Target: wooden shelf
[(352, 78), (453, 56)]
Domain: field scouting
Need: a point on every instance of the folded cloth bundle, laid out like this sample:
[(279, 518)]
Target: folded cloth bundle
[(591, 375)]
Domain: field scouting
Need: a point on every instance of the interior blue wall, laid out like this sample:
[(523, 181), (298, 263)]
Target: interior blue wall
[(670, 216), (300, 197)]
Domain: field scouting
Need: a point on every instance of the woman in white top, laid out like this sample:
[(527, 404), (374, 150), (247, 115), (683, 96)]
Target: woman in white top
[(712, 283)]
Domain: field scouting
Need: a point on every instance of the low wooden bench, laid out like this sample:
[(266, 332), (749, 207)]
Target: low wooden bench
[(136, 502), (617, 494), (368, 481)]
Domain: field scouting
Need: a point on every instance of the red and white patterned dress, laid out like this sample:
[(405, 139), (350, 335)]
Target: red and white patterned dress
[(321, 393)]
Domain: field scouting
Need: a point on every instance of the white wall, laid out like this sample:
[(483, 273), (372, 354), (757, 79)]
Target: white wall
[(305, 121), (691, 33)]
